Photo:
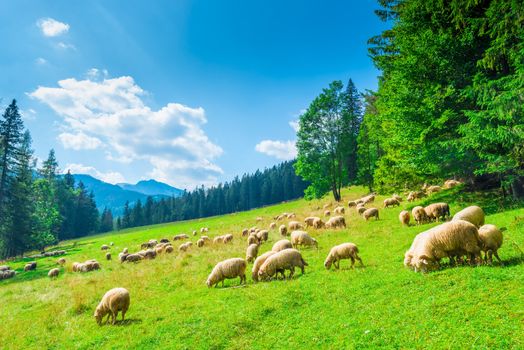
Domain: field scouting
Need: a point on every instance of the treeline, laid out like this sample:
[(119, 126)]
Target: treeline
[(450, 98), (273, 185), (37, 206)]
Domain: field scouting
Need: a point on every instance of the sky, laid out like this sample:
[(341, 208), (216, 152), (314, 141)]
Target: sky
[(185, 92)]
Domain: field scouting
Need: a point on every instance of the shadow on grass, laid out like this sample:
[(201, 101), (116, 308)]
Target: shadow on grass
[(127, 322)]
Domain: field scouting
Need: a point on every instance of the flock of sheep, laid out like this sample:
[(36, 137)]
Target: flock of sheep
[(460, 239)]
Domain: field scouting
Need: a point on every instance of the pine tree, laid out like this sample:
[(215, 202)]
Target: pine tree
[(50, 167)]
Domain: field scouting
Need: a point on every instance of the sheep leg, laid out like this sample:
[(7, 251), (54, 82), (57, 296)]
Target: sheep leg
[(115, 315), (497, 256), (291, 272), (490, 257), (352, 262), (360, 260), (124, 314)]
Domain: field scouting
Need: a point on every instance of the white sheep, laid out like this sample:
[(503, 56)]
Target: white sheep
[(339, 210), (104, 247), (437, 211), (370, 213), (200, 243), (53, 272), (258, 262), (281, 245), (342, 251), (185, 246), (490, 241), (473, 214), (272, 226), (318, 223), (251, 252), (404, 217), (419, 215), (227, 269), (336, 222), (294, 225), (391, 202), (451, 183), (283, 230), (327, 213), (287, 259), (302, 238), (115, 300), (262, 235)]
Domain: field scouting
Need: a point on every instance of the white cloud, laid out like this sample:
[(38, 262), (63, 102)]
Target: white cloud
[(79, 141), (294, 125), (64, 46), (28, 114), (284, 150), (51, 27), (111, 177), (112, 111), (40, 61)]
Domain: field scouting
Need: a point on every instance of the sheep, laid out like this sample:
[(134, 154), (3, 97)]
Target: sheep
[(272, 226), (280, 217), (258, 262), (437, 211), (352, 204), (309, 220), (419, 215), (115, 300), (132, 258), (283, 230), (125, 251), (159, 249), (404, 217), (108, 256), (205, 238), (204, 229), (53, 272), (91, 265), (286, 259), (291, 216), (490, 241), (112, 244), (200, 243), (281, 245), (253, 239), (397, 197), (185, 246), (5, 268), (368, 199), (473, 214), (342, 251), (61, 261), (318, 223), (259, 219), (218, 239), (451, 183), (245, 232), (227, 269), (361, 210), (369, 213), (228, 238), (327, 213), (263, 235), (294, 225), (104, 247), (413, 195), (169, 249), (336, 222), (180, 237), (391, 202), (5, 274), (251, 252), (299, 238), (30, 266), (442, 241), (165, 240), (339, 210), (433, 189), (148, 254)]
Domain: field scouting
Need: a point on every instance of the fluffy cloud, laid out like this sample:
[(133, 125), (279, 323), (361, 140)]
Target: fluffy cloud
[(284, 150), (112, 111), (51, 27), (111, 177)]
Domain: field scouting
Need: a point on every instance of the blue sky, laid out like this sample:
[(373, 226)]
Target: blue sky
[(186, 92)]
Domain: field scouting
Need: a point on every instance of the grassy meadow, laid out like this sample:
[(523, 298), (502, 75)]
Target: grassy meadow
[(380, 305)]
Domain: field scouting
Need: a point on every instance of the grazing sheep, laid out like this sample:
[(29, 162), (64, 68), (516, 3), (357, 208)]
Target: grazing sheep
[(251, 252), (451, 183), (5, 274), (404, 217), (108, 256), (245, 232), (262, 235), (252, 239), (414, 195), (272, 226), (473, 214), (218, 239), (301, 238), (445, 240), (352, 204), (281, 245), (204, 229), (227, 269), (30, 266), (291, 216), (259, 219), (294, 225), (180, 237), (228, 238), (132, 258), (165, 240), (115, 300), (185, 246), (169, 249), (283, 230), (104, 247), (159, 249), (419, 215), (318, 223), (433, 189), (258, 262), (369, 213), (391, 202), (327, 213), (200, 243), (437, 211), (205, 238), (490, 241), (339, 210), (336, 222), (361, 210), (61, 261), (309, 220), (368, 199), (287, 259), (53, 272), (342, 251)]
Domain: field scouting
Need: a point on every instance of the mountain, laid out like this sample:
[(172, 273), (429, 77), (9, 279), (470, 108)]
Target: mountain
[(114, 197), (152, 188)]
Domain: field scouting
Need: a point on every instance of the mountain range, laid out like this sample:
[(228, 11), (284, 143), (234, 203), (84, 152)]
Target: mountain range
[(114, 197)]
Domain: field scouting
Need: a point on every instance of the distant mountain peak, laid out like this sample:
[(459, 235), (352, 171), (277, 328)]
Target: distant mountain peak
[(152, 187)]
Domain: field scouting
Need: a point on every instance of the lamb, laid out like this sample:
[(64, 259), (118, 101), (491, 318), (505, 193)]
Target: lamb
[(61, 261), (327, 213), (473, 214), (404, 217), (251, 252), (104, 247), (165, 240), (339, 210), (369, 213), (287, 259), (245, 232), (299, 238), (227, 269), (108, 256), (283, 230), (442, 241), (204, 229), (30, 266), (228, 238), (53, 272), (200, 243), (437, 211), (419, 215), (272, 226), (281, 245), (169, 249), (185, 246), (451, 183), (115, 300), (390, 202), (336, 222), (294, 225), (490, 241), (259, 262), (433, 189), (318, 223), (262, 235), (342, 251), (253, 239), (361, 210)]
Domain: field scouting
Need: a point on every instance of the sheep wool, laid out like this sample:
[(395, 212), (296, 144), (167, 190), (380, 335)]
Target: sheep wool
[(53, 273), (342, 251), (404, 217), (302, 238), (281, 245), (227, 269), (473, 214), (336, 222), (258, 262), (115, 300), (370, 213), (490, 241), (287, 259), (251, 252)]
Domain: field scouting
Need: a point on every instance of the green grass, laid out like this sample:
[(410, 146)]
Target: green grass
[(382, 305)]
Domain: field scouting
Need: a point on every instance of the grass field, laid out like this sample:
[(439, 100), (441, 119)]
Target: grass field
[(381, 305)]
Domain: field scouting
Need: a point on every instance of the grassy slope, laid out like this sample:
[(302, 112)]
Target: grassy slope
[(380, 305)]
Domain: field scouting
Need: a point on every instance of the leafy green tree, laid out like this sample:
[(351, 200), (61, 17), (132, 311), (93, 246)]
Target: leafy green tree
[(46, 215)]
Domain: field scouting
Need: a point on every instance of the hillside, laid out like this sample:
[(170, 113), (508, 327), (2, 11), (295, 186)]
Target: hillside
[(380, 305), (152, 188)]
